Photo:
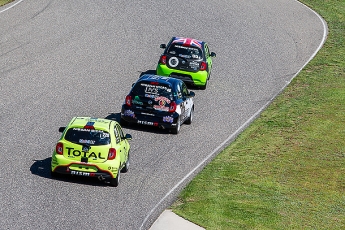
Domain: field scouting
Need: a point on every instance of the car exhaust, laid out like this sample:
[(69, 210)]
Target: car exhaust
[(101, 178)]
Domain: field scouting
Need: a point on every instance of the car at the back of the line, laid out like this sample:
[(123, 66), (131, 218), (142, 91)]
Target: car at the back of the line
[(159, 101), (92, 147)]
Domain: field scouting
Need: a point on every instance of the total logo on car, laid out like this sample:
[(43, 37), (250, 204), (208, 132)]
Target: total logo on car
[(92, 147), (187, 59), (159, 101)]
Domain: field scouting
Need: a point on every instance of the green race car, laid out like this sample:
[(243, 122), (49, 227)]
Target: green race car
[(187, 59), (92, 147)]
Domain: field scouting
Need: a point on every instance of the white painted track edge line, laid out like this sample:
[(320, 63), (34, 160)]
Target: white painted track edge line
[(244, 125)]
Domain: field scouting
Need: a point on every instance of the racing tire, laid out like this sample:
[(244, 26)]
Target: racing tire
[(190, 118), (204, 86), (176, 129), (54, 174), (123, 122), (115, 181), (126, 167)]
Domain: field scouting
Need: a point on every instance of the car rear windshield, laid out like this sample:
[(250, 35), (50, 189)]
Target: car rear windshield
[(87, 136), (152, 89), (187, 52)]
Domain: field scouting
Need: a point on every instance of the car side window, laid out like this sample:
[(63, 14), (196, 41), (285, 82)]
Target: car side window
[(207, 52), (117, 134), (178, 89), (185, 92), (120, 132)]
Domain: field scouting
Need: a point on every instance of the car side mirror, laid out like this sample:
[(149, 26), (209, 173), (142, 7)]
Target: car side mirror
[(163, 46), (61, 129), (191, 94), (213, 54), (128, 137)]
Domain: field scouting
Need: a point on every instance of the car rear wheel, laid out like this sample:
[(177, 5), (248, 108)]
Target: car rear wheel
[(204, 86), (190, 118), (209, 75), (123, 122), (54, 174), (177, 128), (126, 167), (115, 181)]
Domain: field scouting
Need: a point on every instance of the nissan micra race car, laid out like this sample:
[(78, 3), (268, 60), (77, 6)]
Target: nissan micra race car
[(187, 59), (159, 101), (92, 147)]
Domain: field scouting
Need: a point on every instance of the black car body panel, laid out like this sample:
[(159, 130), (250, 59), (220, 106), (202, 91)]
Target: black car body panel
[(157, 101)]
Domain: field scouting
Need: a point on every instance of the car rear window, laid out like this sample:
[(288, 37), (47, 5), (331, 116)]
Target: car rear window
[(87, 136), (187, 52), (152, 89)]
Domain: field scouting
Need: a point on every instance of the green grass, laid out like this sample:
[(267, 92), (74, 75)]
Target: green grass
[(287, 170), (3, 2)]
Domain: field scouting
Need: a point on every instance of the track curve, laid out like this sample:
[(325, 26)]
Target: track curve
[(62, 59)]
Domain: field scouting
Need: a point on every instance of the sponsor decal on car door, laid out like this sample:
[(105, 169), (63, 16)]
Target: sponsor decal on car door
[(123, 144), (188, 107), (187, 103)]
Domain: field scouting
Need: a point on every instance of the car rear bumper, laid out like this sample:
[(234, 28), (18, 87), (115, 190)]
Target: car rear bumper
[(161, 121), (61, 165), (65, 170), (198, 78)]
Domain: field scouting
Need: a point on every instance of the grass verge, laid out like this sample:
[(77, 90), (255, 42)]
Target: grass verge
[(3, 2), (287, 170)]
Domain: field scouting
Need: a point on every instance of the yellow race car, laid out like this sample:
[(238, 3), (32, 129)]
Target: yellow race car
[(92, 147)]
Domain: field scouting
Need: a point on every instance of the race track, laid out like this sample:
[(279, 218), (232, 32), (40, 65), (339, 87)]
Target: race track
[(60, 59)]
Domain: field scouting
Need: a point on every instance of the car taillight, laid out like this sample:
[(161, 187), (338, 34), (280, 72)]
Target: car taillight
[(203, 66), (112, 154), (59, 148), (163, 59), (128, 100), (172, 107)]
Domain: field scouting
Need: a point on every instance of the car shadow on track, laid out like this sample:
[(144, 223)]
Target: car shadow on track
[(42, 168), (137, 127), (150, 71)]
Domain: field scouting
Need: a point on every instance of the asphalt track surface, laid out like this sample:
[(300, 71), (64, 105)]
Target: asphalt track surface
[(60, 59)]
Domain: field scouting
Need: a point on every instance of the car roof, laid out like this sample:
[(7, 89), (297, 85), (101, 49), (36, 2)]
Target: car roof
[(159, 79), (188, 42), (87, 122)]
